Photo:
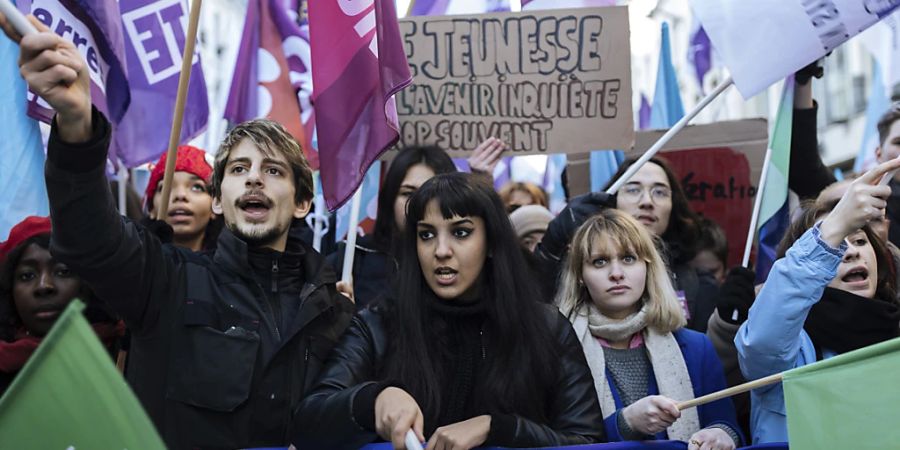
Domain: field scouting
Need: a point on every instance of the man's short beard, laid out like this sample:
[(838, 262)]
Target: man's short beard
[(255, 236)]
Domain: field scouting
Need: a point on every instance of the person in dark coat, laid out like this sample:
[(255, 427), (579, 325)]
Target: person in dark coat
[(464, 354), (35, 288), (224, 345), (374, 264)]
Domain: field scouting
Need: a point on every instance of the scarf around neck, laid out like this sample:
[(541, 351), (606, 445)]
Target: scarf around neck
[(842, 321), (669, 368)]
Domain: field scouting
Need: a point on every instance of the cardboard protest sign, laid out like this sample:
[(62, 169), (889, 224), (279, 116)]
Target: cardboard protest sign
[(543, 81), (762, 41), (719, 166)]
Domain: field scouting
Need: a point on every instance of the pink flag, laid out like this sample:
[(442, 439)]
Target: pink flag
[(358, 64)]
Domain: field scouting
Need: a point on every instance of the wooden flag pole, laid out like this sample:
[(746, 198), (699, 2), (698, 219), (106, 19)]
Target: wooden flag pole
[(669, 135), (734, 390), (187, 59)]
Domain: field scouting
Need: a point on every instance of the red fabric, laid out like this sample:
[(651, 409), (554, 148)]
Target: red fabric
[(14, 355), (28, 228), (190, 159)]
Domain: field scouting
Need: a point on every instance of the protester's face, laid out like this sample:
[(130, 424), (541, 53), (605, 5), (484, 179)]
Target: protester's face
[(648, 198), (530, 240), (615, 278), (707, 261), (415, 177), (451, 253), (42, 287), (858, 271), (518, 199), (257, 199), (890, 148), (190, 205)]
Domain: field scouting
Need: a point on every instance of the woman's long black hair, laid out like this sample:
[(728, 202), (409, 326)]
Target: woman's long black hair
[(683, 232), (522, 350), (431, 156)]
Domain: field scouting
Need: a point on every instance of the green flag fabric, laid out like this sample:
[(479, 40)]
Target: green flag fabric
[(70, 396), (851, 401)]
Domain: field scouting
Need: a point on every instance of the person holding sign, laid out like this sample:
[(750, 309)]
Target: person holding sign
[(224, 345), (832, 291), (616, 292), (463, 354)]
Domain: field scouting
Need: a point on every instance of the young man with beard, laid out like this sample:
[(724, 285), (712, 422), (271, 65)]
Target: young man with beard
[(224, 345)]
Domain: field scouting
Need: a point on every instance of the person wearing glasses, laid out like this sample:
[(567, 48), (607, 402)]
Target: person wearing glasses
[(655, 198)]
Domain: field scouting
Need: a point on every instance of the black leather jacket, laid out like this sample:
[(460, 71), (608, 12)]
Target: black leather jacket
[(327, 419)]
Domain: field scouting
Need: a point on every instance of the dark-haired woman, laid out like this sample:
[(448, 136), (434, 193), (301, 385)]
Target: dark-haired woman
[(34, 290), (463, 354), (832, 291), (374, 263)]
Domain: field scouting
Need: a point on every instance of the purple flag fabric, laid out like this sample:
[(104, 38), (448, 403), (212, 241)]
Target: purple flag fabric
[(644, 113), (359, 63), (429, 7), (155, 35), (700, 54), (94, 27)]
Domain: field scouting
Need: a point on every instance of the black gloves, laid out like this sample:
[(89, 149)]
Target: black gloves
[(562, 228), (810, 71), (736, 295)]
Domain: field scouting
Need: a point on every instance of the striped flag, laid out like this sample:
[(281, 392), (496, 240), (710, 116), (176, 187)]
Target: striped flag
[(368, 205), (773, 214)]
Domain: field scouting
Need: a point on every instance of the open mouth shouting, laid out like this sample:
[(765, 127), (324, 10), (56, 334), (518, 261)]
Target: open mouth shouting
[(445, 276), (180, 215), (255, 206), (856, 278)]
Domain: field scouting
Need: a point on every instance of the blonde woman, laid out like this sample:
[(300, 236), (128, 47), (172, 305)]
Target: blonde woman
[(616, 292)]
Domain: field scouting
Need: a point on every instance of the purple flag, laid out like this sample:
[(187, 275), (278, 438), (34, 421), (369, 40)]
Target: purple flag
[(644, 113), (273, 76), (700, 54), (359, 63), (429, 7), (94, 27), (155, 35)]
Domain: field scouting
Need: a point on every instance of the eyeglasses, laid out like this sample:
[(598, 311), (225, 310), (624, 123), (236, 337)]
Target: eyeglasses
[(634, 192)]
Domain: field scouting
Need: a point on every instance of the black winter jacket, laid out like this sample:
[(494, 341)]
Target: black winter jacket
[(373, 270), (207, 360), (327, 417)]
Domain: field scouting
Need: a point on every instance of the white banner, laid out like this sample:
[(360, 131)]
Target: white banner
[(762, 41)]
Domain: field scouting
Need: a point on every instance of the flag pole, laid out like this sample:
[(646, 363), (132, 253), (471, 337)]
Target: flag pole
[(757, 206), (16, 18), (734, 390), (350, 249), (187, 59), (123, 178), (669, 135)]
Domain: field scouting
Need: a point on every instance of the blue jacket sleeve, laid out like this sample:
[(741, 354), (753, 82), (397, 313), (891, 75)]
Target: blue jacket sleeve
[(769, 341)]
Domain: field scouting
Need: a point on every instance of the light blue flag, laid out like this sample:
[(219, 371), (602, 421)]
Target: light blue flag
[(667, 107), (878, 104), (368, 204), (604, 164), (556, 163), (22, 190)]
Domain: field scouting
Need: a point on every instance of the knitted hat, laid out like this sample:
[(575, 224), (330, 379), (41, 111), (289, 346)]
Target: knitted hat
[(190, 159), (30, 227), (530, 218)]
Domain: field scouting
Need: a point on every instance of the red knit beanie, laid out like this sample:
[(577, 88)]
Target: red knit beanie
[(190, 159), (30, 227)]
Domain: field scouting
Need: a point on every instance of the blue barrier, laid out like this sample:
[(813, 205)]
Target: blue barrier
[(645, 445)]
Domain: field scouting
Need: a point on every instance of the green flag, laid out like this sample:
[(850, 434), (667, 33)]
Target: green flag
[(851, 401), (70, 396)]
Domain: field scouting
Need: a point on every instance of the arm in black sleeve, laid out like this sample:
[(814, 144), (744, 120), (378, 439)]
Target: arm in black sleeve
[(574, 411), (124, 265), (808, 176), (340, 410)]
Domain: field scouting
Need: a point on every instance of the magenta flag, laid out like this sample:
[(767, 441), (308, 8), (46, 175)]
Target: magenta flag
[(358, 64)]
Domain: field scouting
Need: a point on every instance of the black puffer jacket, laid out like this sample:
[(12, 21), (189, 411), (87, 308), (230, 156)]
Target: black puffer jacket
[(209, 360), (327, 416)]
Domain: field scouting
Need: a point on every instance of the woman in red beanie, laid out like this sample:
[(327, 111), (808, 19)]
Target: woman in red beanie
[(34, 290), (190, 203)]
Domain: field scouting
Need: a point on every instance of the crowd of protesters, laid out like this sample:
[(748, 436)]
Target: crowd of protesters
[(475, 317)]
